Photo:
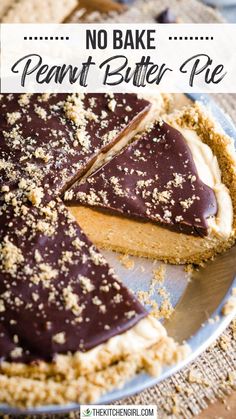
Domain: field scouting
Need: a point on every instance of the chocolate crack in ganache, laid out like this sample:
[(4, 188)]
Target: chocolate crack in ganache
[(50, 140), (57, 292), (155, 178)]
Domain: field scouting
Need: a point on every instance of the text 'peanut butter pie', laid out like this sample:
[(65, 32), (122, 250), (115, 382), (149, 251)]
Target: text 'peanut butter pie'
[(169, 195), (69, 329)]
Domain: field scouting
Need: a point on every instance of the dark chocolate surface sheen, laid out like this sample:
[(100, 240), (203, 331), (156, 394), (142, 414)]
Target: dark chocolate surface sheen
[(57, 292), (154, 178), (52, 139)]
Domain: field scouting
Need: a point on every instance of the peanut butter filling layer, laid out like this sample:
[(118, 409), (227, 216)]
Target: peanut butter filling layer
[(69, 329), (129, 235), (83, 378)]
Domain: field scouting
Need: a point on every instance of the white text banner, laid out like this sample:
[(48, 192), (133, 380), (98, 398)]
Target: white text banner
[(191, 58)]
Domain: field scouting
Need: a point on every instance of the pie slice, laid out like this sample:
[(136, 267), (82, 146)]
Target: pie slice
[(169, 195), (51, 140), (69, 329)]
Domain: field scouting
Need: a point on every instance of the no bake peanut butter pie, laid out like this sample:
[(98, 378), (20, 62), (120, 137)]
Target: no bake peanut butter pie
[(169, 195), (69, 329)]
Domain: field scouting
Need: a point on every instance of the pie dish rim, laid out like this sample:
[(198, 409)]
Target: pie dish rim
[(198, 343)]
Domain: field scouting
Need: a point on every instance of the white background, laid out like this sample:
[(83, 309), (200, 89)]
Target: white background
[(222, 50)]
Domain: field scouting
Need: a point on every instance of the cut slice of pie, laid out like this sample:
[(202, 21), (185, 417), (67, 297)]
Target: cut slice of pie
[(169, 195), (49, 141), (69, 329)]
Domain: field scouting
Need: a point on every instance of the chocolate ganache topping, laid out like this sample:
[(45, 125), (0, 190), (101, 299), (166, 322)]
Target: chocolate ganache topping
[(155, 179), (57, 292), (50, 140)]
